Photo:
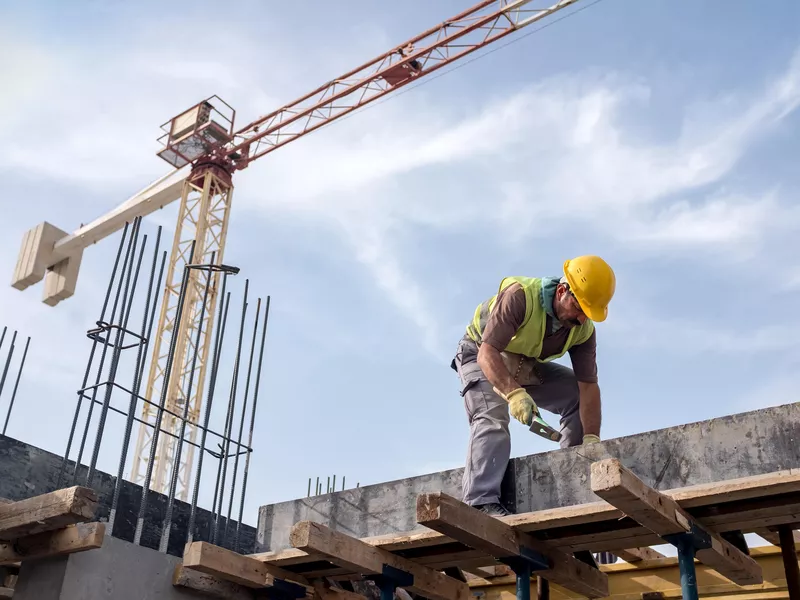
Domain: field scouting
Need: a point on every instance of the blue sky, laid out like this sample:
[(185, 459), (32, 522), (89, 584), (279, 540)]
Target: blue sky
[(663, 139)]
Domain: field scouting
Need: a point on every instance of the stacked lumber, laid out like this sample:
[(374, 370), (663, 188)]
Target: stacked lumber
[(323, 564), (48, 525)]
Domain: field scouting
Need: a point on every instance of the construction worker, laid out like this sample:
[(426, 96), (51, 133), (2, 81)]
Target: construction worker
[(504, 366)]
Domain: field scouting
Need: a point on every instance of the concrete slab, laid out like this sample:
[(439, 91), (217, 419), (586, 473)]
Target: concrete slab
[(739, 445), (27, 471)]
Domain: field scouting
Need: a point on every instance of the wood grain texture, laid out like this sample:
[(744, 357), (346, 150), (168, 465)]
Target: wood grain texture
[(360, 557), (209, 586), (46, 512), (664, 516), (634, 555), (75, 538), (476, 529)]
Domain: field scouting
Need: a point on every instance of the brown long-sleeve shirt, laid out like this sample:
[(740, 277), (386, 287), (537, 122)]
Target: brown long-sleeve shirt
[(508, 315)]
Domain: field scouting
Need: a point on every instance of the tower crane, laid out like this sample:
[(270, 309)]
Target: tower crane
[(205, 150)]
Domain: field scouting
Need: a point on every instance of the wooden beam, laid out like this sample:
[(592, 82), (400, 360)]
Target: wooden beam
[(75, 538), (324, 591), (352, 553), (209, 586), (6, 592), (46, 512), (773, 537), (232, 566), (633, 555), (453, 518), (661, 514)]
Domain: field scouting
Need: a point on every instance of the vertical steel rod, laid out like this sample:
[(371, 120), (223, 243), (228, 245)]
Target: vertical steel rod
[(125, 312), (244, 412), (542, 588), (146, 331), (222, 319), (137, 536), (231, 407), (16, 384), (688, 573), (8, 362), (125, 267), (221, 448), (176, 463), (91, 358), (790, 566), (3, 336), (252, 426)]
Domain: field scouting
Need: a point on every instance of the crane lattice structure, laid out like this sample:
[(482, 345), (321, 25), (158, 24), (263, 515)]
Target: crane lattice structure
[(205, 151)]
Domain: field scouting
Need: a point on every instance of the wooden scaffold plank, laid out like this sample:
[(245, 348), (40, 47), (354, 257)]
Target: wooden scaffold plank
[(69, 540), (47, 512), (662, 515), (354, 554), (231, 566), (453, 518), (634, 555)]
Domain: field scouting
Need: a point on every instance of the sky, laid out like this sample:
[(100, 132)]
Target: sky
[(663, 139)]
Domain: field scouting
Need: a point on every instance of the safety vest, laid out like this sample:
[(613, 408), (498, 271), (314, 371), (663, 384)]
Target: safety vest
[(529, 336)]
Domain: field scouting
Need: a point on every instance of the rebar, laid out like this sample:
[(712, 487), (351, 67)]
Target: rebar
[(244, 411), (221, 448), (146, 332), (137, 537), (131, 248), (222, 319), (167, 525), (125, 312), (8, 362), (16, 384), (252, 426), (231, 405)]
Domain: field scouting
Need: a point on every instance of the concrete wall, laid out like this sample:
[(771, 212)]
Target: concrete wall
[(117, 571), (27, 471), (732, 446)]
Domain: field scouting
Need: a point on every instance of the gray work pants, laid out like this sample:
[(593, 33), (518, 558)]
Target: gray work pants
[(489, 447)]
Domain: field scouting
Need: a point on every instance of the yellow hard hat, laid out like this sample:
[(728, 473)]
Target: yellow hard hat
[(592, 281)]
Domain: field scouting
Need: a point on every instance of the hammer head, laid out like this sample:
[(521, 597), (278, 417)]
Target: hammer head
[(539, 427)]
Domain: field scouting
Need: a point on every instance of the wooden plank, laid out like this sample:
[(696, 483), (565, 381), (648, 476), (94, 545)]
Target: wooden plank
[(75, 538), (47, 512), (453, 518), (209, 586), (6, 592), (663, 515), (232, 566), (633, 555), (324, 591), (351, 553), (773, 537)]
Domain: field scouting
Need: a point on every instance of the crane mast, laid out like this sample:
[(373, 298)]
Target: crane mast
[(203, 139)]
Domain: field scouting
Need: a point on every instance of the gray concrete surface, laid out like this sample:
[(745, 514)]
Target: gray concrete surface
[(27, 471), (738, 445), (117, 571)]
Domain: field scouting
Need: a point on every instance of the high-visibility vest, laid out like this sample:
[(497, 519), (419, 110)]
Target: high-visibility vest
[(528, 338)]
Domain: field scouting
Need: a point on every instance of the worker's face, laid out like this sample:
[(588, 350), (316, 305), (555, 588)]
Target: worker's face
[(566, 307)]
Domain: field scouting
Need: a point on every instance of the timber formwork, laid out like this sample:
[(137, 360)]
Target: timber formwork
[(704, 522)]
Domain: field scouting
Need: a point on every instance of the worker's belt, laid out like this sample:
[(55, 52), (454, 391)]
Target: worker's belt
[(522, 368)]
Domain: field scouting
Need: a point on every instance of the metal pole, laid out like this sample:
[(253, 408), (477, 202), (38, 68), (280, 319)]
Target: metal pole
[(176, 463), (91, 358), (790, 566), (686, 550), (244, 411), (125, 313), (221, 449), (524, 583), (542, 588), (222, 319), (231, 406), (137, 536), (125, 267), (16, 384), (8, 362), (146, 331), (252, 426)]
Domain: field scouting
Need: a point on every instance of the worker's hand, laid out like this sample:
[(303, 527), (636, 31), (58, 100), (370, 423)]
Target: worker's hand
[(520, 405), (590, 438)]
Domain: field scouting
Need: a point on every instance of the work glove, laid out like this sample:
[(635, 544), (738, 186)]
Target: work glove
[(520, 405), (590, 438)]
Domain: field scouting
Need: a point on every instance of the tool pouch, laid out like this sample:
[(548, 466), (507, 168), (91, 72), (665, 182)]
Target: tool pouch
[(522, 368)]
